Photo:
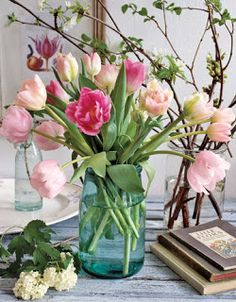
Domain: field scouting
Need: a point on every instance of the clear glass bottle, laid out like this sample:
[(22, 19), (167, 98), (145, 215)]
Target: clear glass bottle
[(106, 251), (27, 156), (182, 206)]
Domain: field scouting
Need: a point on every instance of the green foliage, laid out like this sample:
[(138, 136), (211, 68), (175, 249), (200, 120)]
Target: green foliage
[(119, 98), (131, 183), (97, 162), (150, 172), (85, 82), (109, 131), (216, 4), (224, 17), (11, 18), (33, 250)]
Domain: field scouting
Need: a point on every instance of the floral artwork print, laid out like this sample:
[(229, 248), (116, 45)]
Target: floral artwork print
[(43, 49)]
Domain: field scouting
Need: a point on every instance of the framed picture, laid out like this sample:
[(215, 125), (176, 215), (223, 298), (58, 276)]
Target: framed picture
[(26, 50)]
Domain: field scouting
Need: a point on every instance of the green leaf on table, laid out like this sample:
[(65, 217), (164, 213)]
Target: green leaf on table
[(20, 247), (97, 162), (4, 253), (45, 253), (85, 82), (37, 231), (118, 97), (150, 171), (126, 178)]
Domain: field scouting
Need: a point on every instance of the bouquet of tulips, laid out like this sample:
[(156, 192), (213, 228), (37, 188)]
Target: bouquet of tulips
[(107, 121)]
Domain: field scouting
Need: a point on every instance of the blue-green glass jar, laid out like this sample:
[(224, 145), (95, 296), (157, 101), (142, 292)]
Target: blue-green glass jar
[(112, 229), (26, 197)]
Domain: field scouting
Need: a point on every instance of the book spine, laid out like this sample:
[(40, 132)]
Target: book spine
[(185, 257)]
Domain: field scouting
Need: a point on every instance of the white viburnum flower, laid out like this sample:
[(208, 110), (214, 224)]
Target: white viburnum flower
[(61, 280), (30, 286)]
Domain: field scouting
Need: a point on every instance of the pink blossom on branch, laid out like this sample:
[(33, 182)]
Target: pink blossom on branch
[(223, 115), (16, 125), (135, 75), (90, 112), (55, 89), (32, 94), (48, 178), (155, 100), (52, 129), (208, 169), (219, 132)]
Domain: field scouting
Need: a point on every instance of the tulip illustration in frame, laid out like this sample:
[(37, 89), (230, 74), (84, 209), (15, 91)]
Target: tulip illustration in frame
[(44, 48)]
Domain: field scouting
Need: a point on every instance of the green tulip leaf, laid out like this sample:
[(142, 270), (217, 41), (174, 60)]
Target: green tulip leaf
[(97, 162), (119, 98), (85, 82), (109, 132), (126, 178), (57, 102), (150, 171)]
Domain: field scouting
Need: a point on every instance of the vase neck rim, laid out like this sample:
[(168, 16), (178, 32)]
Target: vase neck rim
[(181, 149)]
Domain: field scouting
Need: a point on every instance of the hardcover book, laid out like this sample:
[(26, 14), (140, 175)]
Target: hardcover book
[(195, 261), (215, 241), (201, 284)]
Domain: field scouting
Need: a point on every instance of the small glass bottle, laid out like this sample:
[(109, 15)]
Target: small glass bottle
[(26, 197)]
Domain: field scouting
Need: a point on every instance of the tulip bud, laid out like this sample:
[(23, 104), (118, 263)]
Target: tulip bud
[(67, 67), (32, 94), (135, 75), (219, 132), (106, 78), (223, 115), (197, 107), (92, 63)]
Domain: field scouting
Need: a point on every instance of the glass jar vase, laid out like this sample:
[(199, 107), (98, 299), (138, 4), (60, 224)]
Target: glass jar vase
[(111, 229), (26, 197), (182, 206)]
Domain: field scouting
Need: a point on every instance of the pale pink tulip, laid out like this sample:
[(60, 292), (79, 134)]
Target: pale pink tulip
[(52, 129), (16, 125), (55, 89), (135, 75), (197, 107), (219, 132), (92, 63), (155, 100), (91, 111), (206, 171), (106, 78), (223, 115), (48, 178), (32, 94), (67, 67)]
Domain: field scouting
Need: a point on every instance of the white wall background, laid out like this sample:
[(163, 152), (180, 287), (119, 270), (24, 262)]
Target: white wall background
[(184, 30)]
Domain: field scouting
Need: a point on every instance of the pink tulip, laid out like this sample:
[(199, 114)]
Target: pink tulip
[(55, 89), (106, 78), (32, 94), (135, 75), (155, 100), (16, 125), (219, 132), (92, 63), (48, 178), (67, 67), (90, 112), (52, 129), (46, 47), (197, 107), (206, 171), (223, 115)]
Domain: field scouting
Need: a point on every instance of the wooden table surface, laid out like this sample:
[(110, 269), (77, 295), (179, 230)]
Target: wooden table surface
[(155, 282)]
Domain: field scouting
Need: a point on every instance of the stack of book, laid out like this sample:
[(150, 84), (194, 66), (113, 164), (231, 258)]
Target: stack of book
[(204, 255)]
